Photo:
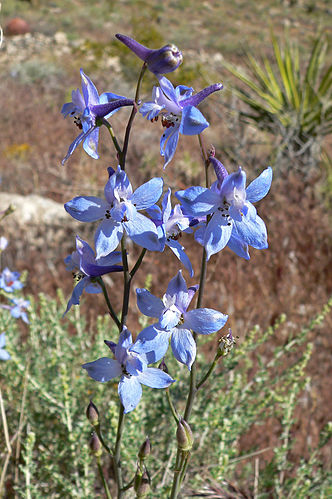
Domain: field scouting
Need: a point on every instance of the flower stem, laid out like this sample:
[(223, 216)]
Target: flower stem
[(122, 156), (116, 459), (126, 283), (110, 308), (171, 406), (113, 137), (210, 370), (181, 462), (137, 264), (102, 441), (107, 490)]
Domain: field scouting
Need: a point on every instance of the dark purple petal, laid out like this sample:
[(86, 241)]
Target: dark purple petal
[(101, 110), (194, 100)]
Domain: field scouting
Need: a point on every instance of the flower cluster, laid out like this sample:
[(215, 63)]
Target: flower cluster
[(221, 215)]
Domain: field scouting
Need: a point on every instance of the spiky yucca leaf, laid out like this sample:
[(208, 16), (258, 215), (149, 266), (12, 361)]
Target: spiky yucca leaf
[(286, 96)]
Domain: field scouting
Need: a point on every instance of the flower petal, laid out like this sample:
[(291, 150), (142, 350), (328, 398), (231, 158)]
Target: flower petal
[(155, 378), (260, 186), (179, 252), (204, 320), (143, 232), (148, 194), (198, 201), (130, 393), (217, 234), (107, 237), (152, 342), (183, 346), (86, 208), (103, 369), (149, 304), (192, 122)]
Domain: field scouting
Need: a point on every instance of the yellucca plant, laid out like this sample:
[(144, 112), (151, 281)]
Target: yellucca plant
[(288, 98)]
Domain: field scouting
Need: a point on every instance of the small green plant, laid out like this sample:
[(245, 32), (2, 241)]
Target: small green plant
[(289, 99)]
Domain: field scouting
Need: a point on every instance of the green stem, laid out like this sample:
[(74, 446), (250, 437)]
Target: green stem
[(210, 370), (126, 283), (113, 137), (171, 405), (110, 308), (107, 490), (116, 459), (137, 264), (129, 486), (179, 474), (98, 431), (184, 467), (122, 156)]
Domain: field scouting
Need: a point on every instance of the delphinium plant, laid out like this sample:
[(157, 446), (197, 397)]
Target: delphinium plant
[(218, 214)]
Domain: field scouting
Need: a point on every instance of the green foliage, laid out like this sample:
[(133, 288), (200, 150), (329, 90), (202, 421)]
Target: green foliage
[(47, 393), (288, 98)]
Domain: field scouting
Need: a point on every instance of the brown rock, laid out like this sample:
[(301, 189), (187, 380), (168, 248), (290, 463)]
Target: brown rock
[(16, 26)]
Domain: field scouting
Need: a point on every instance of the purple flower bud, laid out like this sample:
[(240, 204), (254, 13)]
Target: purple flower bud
[(95, 445), (160, 61), (184, 436), (92, 414), (219, 168), (145, 449)]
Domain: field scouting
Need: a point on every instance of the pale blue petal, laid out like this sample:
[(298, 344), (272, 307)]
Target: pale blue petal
[(149, 304), (177, 287), (103, 369), (153, 343), (130, 393), (86, 208), (179, 252), (198, 201), (90, 144), (143, 232), (252, 231), (192, 122), (155, 378), (170, 318), (260, 186), (125, 342), (204, 320), (150, 110), (4, 355), (108, 235), (90, 92), (239, 247), (166, 206), (2, 340), (148, 194), (183, 346), (217, 234), (168, 143), (77, 292)]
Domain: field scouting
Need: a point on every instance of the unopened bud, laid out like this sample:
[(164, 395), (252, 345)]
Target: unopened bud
[(159, 61), (164, 60), (92, 414), (142, 485), (184, 436), (163, 366), (145, 449), (95, 445)]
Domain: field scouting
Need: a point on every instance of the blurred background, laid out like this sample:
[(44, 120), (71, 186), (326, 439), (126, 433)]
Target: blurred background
[(274, 60)]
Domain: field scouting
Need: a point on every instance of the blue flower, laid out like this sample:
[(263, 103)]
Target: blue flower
[(233, 218), (119, 213), (88, 111), (4, 355), (175, 321), (89, 268), (170, 224), (179, 113), (131, 363), (9, 281), (17, 310), (160, 61)]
